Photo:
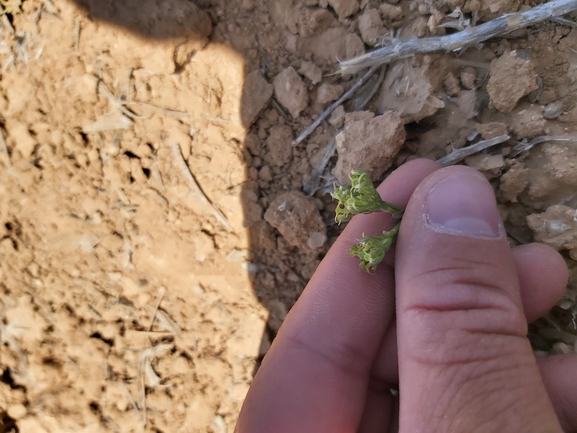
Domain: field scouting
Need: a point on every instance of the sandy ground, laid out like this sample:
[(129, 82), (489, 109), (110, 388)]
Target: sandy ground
[(154, 231)]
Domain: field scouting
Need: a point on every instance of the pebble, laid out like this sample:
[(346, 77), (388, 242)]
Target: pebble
[(290, 91)]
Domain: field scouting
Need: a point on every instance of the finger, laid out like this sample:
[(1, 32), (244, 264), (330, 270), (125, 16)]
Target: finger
[(315, 376), (559, 374), (384, 376), (542, 275), (464, 359)]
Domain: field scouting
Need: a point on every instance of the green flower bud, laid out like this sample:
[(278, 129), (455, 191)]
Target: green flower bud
[(359, 197), (371, 250)]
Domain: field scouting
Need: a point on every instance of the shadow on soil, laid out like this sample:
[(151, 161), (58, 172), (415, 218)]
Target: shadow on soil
[(206, 20)]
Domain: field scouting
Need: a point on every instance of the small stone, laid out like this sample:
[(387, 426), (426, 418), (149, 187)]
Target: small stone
[(468, 77), (491, 130), (203, 246), (290, 91), (514, 181), (553, 169), (248, 5), (556, 227), (371, 27), (451, 84), (311, 71), (412, 91), (423, 9), (298, 220), (256, 96), (528, 123), (511, 78), (329, 92), (344, 8), (489, 165), (265, 174), (279, 145), (252, 143), (337, 118), (467, 102), (391, 13), (553, 110), (368, 143), (16, 411)]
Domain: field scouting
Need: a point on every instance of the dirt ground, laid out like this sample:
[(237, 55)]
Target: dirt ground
[(156, 221)]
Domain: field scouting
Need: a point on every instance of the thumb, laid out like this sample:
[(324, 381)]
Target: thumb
[(465, 364)]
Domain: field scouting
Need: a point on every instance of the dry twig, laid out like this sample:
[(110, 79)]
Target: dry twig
[(334, 105), (313, 184), (197, 191), (117, 102), (524, 146), (504, 24), (460, 154), (369, 91)]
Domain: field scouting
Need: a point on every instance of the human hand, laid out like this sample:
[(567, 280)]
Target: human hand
[(463, 300)]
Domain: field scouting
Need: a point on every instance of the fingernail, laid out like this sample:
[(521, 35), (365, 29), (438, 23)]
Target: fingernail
[(464, 204)]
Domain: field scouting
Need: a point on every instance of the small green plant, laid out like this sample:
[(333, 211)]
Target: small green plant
[(361, 197)]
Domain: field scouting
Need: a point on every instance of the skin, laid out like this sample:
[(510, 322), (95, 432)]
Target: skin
[(447, 329)]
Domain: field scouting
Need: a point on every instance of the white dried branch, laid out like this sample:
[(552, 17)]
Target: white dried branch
[(499, 26), (196, 190), (334, 105), (524, 145), (460, 154)]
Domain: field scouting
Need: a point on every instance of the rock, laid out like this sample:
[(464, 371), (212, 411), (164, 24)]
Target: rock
[(265, 174), (391, 13), (490, 9), (511, 78), (368, 143), (491, 130), (528, 123), (306, 21), (253, 144), (203, 246), (314, 21), (468, 77), (371, 27), (279, 145), (553, 179), (337, 118), (344, 8), (553, 110), (256, 96), (489, 165), (556, 227), (311, 71), (249, 197), (291, 92), (467, 102), (298, 220), (451, 84), (411, 90), (329, 93), (336, 43), (514, 181)]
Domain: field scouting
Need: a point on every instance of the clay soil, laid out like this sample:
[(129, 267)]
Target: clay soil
[(156, 221)]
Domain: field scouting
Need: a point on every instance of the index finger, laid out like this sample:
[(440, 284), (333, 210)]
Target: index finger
[(315, 376)]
